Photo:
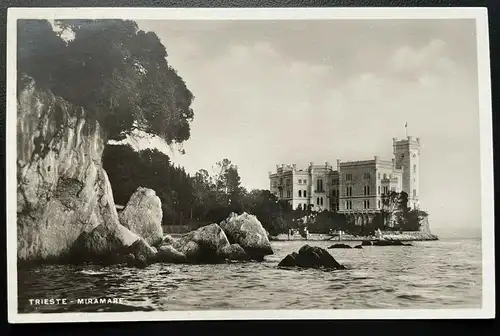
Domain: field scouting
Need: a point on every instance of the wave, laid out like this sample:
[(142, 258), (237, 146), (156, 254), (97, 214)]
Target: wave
[(90, 272), (411, 297)]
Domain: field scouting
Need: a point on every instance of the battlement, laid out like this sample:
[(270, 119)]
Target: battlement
[(409, 139), (319, 166), (357, 163)]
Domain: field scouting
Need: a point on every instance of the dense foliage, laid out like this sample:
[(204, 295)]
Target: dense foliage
[(150, 168), (117, 72)]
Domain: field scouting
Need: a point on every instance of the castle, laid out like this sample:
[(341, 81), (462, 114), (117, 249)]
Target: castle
[(354, 188)]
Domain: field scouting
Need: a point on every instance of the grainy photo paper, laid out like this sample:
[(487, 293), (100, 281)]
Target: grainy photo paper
[(200, 164)]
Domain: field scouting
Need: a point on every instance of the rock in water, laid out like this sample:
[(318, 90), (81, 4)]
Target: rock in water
[(204, 245), (106, 245), (340, 246), (247, 231), (235, 252), (169, 254), (141, 248), (311, 257), (142, 253), (390, 243), (143, 215), (63, 191), (358, 246), (167, 240), (366, 243)]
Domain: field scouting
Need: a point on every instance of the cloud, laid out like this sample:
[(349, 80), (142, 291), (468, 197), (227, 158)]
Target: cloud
[(430, 60)]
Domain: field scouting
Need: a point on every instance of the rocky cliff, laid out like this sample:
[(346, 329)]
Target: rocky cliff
[(62, 189)]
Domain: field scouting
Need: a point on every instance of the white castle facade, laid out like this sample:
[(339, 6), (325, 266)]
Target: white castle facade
[(354, 187)]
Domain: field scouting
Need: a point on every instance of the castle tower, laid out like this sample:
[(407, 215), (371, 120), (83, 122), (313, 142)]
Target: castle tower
[(407, 158)]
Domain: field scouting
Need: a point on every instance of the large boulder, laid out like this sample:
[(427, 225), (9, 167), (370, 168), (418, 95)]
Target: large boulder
[(143, 215), (140, 254), (204, 245), (208, 244), (105, 244), (311, 257), (168, 254), (234, 252), (62, 188), (246, 231)]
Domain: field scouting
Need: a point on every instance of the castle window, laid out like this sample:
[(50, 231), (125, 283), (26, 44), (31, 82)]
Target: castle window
[(379, 204), (281, 193), (348, 191), (414, 192), (348, 177), (300, 193), (414, 168), (367, 190), (319, 184), (305, 193), (367, 176), (379, 190), (317, 200), (321, 199)]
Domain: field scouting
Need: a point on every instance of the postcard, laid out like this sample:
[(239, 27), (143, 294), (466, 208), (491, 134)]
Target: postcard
[(218, 164)]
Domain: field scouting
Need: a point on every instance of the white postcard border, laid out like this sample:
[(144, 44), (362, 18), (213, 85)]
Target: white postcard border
[(486, 151)]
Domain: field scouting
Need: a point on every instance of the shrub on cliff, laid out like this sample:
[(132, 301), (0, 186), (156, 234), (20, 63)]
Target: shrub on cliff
[(117, 72)]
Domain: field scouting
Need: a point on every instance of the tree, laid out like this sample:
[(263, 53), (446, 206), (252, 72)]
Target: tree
[(203, 195), (118, 73), (413, 220), (235, 192), (128, 169)]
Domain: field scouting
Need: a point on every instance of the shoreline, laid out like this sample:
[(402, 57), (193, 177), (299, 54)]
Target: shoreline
[(405, 237)]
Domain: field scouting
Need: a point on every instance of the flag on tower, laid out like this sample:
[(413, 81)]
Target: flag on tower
[(406, 124)]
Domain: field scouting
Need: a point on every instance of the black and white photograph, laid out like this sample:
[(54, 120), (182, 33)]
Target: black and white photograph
[(179, 164)]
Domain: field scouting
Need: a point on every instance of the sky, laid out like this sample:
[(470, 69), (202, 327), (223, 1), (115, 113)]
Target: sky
[(272, 92)]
